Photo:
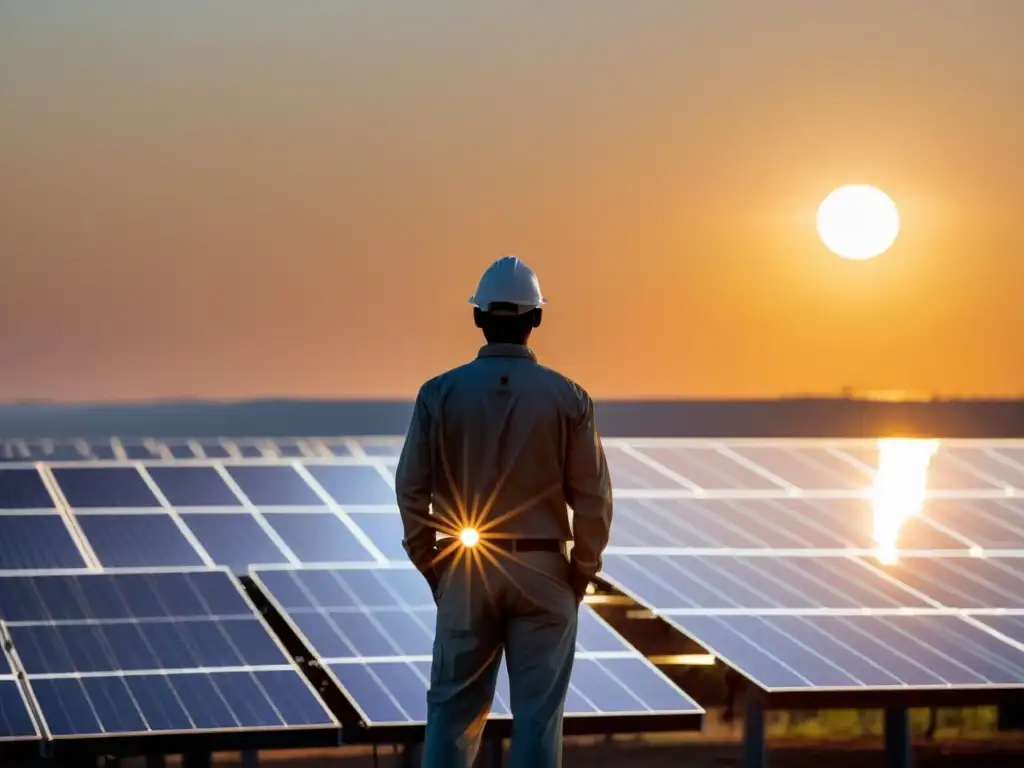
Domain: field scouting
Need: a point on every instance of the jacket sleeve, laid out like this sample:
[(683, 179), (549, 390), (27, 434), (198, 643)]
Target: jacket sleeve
[(414, 490), (588, 491)]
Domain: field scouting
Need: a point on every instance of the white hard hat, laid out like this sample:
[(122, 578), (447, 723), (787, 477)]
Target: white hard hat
[(508, 281)]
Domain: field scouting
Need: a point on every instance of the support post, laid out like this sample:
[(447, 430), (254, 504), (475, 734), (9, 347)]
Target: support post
[(411, 752), (755, 752), (897, 738), (250, 759), (156, 761), (493, 750)]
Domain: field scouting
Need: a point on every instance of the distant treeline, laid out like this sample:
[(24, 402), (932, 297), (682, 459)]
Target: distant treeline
[(805, 417)]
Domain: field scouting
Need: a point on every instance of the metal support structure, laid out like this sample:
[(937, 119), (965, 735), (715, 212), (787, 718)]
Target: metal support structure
[(897, 738), (156, 761), (250, 759), (197, 760), (755, 750)]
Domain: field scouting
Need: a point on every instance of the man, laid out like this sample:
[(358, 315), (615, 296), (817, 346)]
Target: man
[(500, 446)]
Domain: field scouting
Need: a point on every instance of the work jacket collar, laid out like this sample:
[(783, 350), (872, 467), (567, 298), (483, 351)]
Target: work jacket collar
[(506, 350)]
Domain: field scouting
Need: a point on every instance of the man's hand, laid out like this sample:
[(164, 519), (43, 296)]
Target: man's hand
[(436, 572), (578, 582)]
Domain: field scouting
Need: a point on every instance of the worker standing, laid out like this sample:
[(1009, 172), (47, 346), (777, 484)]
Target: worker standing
[(496, 450)]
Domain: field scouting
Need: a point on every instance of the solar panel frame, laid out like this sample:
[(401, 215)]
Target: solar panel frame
[(171, 741), (368, 730)]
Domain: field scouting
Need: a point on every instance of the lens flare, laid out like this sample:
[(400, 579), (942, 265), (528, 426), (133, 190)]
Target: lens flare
[(469, 537), (899, 490)]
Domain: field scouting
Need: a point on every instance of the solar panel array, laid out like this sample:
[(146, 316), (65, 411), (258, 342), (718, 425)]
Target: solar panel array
[(136, 654), (373, 627), (761, 551)]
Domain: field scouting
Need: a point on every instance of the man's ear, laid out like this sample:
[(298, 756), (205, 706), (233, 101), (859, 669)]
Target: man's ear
[(538, 316)]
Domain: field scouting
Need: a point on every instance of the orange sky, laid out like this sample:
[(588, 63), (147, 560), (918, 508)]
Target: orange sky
[(246, 198)]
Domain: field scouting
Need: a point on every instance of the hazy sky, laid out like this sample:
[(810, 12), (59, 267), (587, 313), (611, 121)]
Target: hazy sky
[(232, 199)]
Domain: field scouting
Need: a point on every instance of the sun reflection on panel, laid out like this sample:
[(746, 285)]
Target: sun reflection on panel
[(899, 489)]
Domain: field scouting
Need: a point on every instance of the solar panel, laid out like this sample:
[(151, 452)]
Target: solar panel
[(986, 523), (373, 628), (23, 489), (851, 652), (188, 486), (16, 723), (965, 582), (384, 529), (140, 451), (104, 488), (691, 582), (235, 540), (318, 537), (135, 654), (274, 486), (138, 540), (780, 523), (710, 468), (37, 541), (353, 484)]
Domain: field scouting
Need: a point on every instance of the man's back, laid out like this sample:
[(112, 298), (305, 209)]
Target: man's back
[(502, 444), (501, 429)]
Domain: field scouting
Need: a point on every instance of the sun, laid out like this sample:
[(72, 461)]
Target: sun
[(858, 222)]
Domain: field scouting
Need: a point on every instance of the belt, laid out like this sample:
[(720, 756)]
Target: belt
[(528, 545)]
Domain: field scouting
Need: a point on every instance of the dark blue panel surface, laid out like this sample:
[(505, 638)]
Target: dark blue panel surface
[(965, 582), (46, 649), (182, 451), (23, 489), (274, 486), (104, 596), (392, 450), (138, 451), (15, 721), (318, 537), (717, 581), (353, 484), (63, 452), (185, 702), (342, 588), (858, 651), (249, 451), (215, 451), (384, 530), (234, 540), (289, 450), (104, 487), (103, 451), (127, 541), (193, 487), (762, 524), (37, 541), (337, 449)]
